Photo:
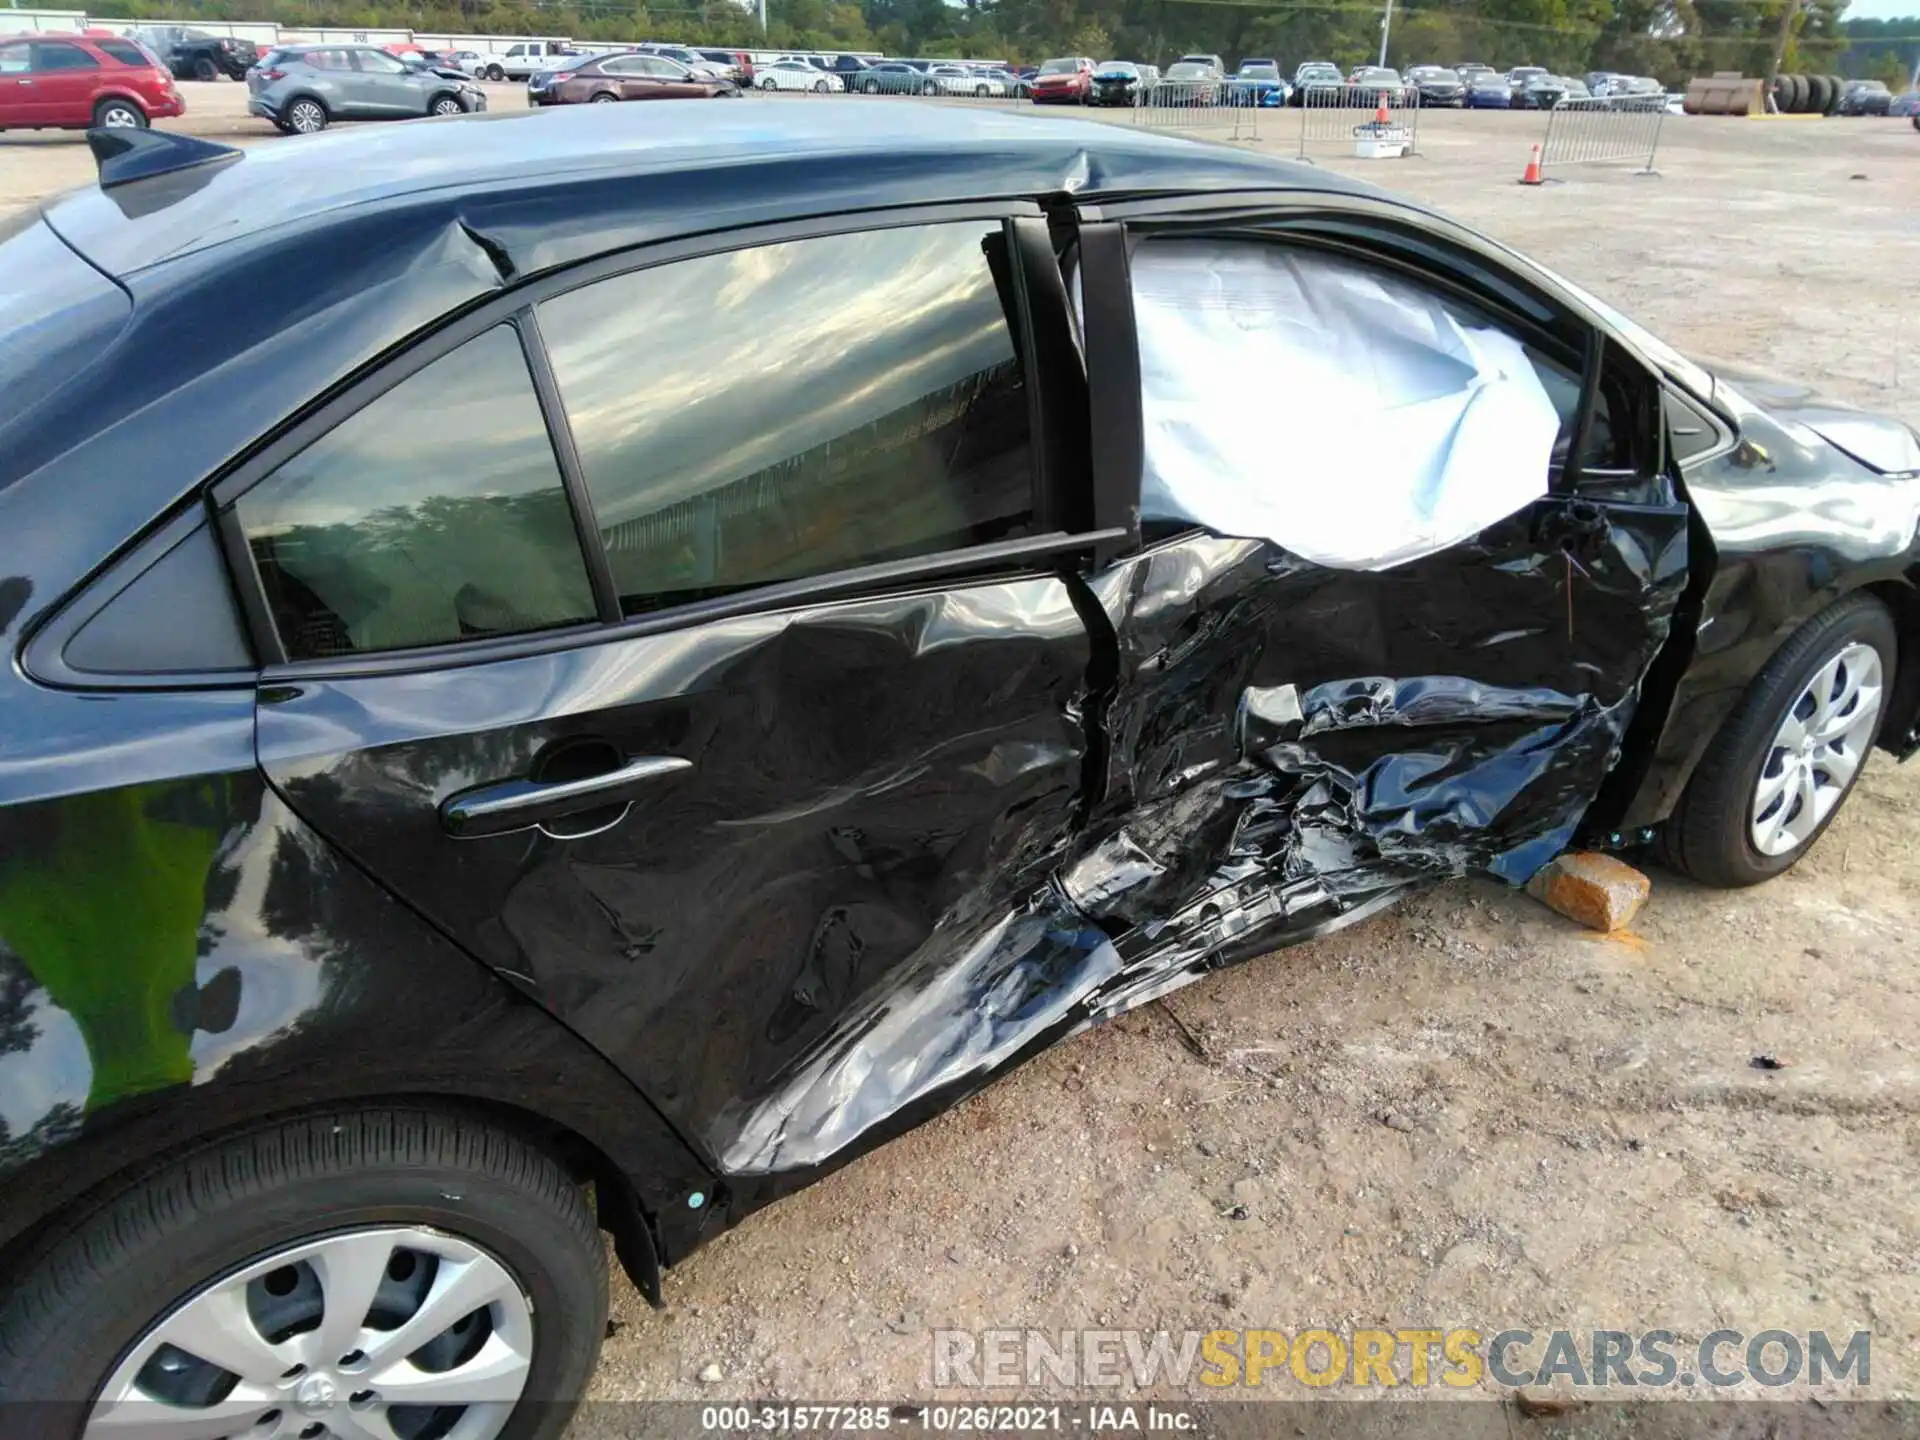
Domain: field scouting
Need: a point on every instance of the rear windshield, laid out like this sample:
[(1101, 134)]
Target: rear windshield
[(57, 314)]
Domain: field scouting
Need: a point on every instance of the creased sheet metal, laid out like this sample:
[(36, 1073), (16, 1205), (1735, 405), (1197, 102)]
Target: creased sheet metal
[(1350, 416)]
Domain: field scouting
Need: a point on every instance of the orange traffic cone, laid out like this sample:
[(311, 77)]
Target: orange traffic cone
[(1380, 116), (1532, 177)]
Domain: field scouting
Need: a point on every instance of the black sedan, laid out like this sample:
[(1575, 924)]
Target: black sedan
[(775, 725), (892, 77), (1438, 86)]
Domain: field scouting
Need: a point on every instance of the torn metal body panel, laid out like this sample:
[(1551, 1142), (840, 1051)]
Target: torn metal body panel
[(858, 811)]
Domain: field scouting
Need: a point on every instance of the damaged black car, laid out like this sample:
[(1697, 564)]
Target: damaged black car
[(685, 645)]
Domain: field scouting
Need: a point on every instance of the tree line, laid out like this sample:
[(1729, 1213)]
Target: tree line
[(1671, 39)]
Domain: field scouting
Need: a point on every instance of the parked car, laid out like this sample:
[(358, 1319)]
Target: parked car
[(1258, 82), (893, 77), (1318, 82), (846, 67), (1067, 80), (472, 62), (959, 80), (407, 871), (1190, 83), (1489, 92), (195, 54), (1016, 84), (57, 81), (797, 75), (736, 65), (1115, 82), (1517, 79), (692, 60), (519, 61), (1542, 92), (1601, 82), (1437, 86), (1866, 97), (1905, 103), (1369, 85), (1572, 89), (305, 88), (633, 75), (1471, 71)]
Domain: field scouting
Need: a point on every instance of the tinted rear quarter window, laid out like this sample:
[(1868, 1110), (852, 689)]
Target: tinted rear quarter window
[(780, 412), (60, 56), (124, 52), (434, 514)]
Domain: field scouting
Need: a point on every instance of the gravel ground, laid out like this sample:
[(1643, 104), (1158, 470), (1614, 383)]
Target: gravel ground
[(1465, 1112)]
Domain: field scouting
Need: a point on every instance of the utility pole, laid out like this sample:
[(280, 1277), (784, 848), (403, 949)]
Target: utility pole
[(1386, 28), (763, 19), (1780, 41)]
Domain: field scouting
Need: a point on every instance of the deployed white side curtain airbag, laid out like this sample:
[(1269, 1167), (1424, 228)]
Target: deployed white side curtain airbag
[(1342, 413)]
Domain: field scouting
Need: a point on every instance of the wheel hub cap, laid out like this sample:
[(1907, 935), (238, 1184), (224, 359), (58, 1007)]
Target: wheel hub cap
[(1817, 750), (383, 1334)]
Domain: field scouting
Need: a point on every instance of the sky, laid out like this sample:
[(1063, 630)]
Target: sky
[(1884, 10)]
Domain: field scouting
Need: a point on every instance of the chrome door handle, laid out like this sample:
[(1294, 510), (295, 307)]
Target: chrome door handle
[(509, 805)]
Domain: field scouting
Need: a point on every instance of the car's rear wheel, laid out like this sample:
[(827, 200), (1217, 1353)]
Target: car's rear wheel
[(203, 69), (1787, 758), (352, 1273), (446, 105), (821, 87), (119, 115), (494, 72), (306, 116), (929, 89), (605, 97)]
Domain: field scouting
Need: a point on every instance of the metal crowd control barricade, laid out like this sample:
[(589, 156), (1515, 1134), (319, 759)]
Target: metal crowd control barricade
[(1345, 117), (1607, 129), (1197, 105)]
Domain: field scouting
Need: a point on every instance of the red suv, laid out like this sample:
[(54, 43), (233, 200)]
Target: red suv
[(1066, 81), (74, 82)]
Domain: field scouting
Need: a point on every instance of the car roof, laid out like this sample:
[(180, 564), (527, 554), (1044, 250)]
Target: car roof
[(549, 187)]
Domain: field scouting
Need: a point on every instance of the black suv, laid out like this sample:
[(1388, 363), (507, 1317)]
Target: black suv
[(194, 54), (761, 726)]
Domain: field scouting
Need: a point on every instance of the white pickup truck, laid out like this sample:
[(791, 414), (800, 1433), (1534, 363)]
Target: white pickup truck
[(518, 62)]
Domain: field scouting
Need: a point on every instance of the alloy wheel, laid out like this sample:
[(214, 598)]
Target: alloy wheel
[(399, 1333), (307, 117), (119, 117), (1817, 750), (448, 107)]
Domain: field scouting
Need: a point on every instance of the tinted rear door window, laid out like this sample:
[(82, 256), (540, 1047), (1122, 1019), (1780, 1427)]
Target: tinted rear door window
[(434, 514), (779, 412)]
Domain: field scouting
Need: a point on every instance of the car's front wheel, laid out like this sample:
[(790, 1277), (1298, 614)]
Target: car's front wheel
[(1787, 758), (203, 69), (447, 105), (373, 1272)]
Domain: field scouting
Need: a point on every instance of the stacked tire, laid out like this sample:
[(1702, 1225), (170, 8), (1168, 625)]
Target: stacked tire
[(1807, 94)]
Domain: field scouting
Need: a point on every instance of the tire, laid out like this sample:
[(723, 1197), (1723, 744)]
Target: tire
[(203, 69), (929, 89), (1819, 95), (1838, 85), (979, 92), (605, 97), (456, 1187), (872, 87), (119, 115), (1710, 835), (494, 72), (446, 105), (306, 116), (821, 87)]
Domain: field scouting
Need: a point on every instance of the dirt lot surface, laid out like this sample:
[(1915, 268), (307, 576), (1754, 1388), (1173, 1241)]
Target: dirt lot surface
[(1465, 1112)]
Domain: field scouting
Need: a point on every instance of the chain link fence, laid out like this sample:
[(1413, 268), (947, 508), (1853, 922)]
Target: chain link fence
[(1604, 130)]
